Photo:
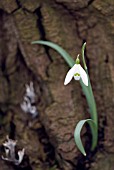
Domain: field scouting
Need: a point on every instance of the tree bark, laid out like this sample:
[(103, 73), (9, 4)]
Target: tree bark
[(48, 139)]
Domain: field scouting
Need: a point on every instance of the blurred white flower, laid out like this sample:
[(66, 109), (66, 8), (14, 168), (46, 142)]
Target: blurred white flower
[(28, 104), (10, 152)]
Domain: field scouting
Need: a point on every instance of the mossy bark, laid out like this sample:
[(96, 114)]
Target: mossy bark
[(48, 139)]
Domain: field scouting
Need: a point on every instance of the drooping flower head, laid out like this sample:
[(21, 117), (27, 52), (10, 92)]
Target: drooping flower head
[(77, 72)]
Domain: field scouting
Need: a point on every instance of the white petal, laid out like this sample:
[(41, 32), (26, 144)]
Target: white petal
[(83, 75), (70, 74)]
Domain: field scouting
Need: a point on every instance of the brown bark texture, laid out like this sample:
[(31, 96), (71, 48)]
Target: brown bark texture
[(48, 139)]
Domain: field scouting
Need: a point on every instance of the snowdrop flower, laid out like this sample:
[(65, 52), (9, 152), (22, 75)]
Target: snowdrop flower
[(77, 72)]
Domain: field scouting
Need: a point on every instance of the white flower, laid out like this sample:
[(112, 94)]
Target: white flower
[(77, 72)]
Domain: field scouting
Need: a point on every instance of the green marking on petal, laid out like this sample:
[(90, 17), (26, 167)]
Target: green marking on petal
[(76, 74)]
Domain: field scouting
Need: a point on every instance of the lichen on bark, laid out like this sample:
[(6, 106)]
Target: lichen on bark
[(48, 139)]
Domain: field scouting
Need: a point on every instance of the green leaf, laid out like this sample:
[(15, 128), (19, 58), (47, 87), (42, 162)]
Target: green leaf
[(77, 134), (60, 50), (89, 93), (83, 57)]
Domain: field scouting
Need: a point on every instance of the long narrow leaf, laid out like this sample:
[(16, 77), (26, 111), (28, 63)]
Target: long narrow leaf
[(77, 134), (60, 50), (83, 50), (91, 99)]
